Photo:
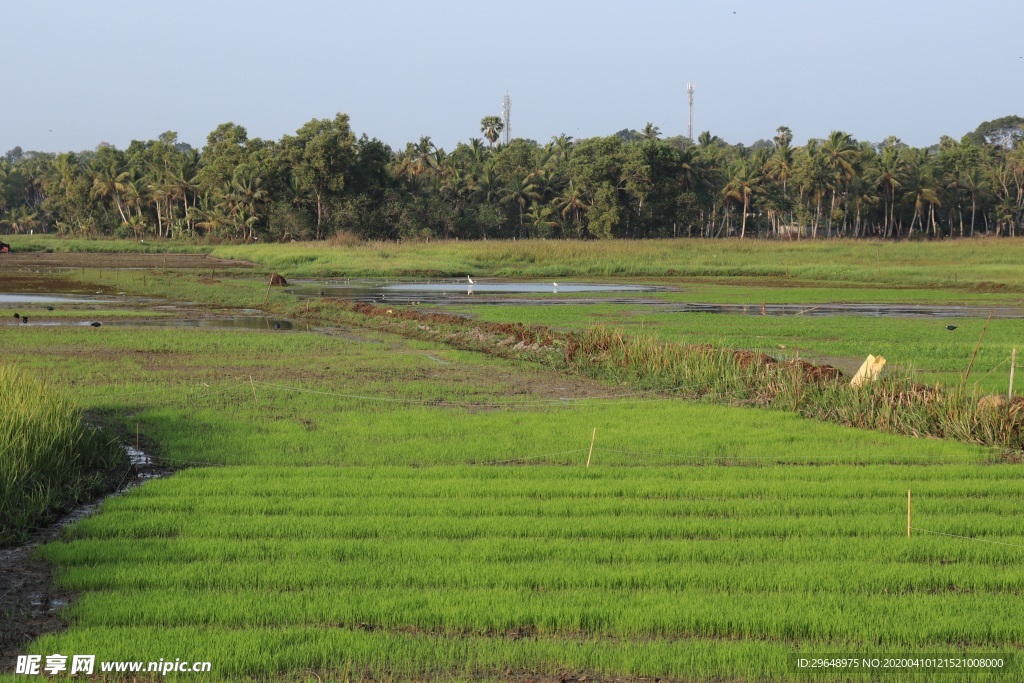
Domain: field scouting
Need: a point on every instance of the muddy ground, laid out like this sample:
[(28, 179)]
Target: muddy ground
[(39, 260)]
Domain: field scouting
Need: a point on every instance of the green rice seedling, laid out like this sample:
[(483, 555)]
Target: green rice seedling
[(651, 566)]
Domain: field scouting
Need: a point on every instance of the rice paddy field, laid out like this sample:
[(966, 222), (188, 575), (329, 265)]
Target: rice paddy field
[(349, 504)]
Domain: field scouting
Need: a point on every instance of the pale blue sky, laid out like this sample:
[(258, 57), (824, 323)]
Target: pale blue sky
[(116, 71)]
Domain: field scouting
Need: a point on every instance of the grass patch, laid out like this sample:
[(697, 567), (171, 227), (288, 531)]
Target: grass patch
[(49, 459)]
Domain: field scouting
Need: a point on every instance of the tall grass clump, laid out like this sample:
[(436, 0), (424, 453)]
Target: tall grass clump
[(894, 404), (49, 458)]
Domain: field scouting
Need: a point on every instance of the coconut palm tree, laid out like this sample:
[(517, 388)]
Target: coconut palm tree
[(842, 157), (108, 183), (888, 177), (247, 188), (520, 191), (742, 186), (977, 185), (923, 190), (650, 132), (572, 202), (21, 219)]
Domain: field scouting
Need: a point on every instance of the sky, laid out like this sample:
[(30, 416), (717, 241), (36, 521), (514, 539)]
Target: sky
[(80, 73)]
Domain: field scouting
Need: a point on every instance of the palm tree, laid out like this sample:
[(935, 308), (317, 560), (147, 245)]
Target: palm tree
[(183, 179), (249, 193), (109, 183), (814, 179), (783, 136), (491, 127), (477, 153), (924, 192), (781, 165), (571, 201), (562, 146), (890, 171), (976, 184), (520, 191), (484, 186), (841, 158), (541, 219), (706, 139), (21, 219), (743, 184), (650, 132)]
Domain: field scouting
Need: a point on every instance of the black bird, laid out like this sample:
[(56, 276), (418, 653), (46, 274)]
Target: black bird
[(321, 293), (277, 326), (16, 316), (24, 318), (950, 327), (95, 324), (49, 308)]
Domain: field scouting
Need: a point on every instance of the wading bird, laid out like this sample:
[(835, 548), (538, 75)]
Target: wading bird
[(470, 280)]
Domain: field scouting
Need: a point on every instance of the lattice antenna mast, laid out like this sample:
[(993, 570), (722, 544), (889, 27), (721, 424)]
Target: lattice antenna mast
[(689, 94), (506, 116)]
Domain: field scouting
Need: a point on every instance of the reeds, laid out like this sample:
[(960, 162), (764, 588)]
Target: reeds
[(49, 459)]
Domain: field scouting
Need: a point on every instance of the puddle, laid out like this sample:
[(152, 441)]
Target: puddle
[(47, 298), (832, 310), (460, 291), (497, 293)]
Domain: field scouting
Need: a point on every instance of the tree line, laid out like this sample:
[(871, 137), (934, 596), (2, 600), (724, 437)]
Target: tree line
[(633, 184)]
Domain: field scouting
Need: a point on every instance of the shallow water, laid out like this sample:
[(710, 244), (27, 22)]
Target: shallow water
[(57, 298), (862, 310), (448, 291)]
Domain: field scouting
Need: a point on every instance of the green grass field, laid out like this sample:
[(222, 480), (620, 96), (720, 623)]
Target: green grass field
[(967, 265), (454, 570), (358, 505), (703, 540)]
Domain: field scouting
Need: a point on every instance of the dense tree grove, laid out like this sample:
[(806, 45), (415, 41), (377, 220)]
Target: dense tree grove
[(323, 179)]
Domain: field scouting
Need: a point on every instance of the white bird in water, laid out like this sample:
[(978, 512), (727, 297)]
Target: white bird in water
[(555, 284), (470, 280)]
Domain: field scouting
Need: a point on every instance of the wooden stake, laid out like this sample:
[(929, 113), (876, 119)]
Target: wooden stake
[(137, 449), (908, 513), (592, 437), (253, 385), (1013, 363)]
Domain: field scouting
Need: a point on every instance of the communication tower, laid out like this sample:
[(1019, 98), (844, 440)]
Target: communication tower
[(506, 116), (689, 93)]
